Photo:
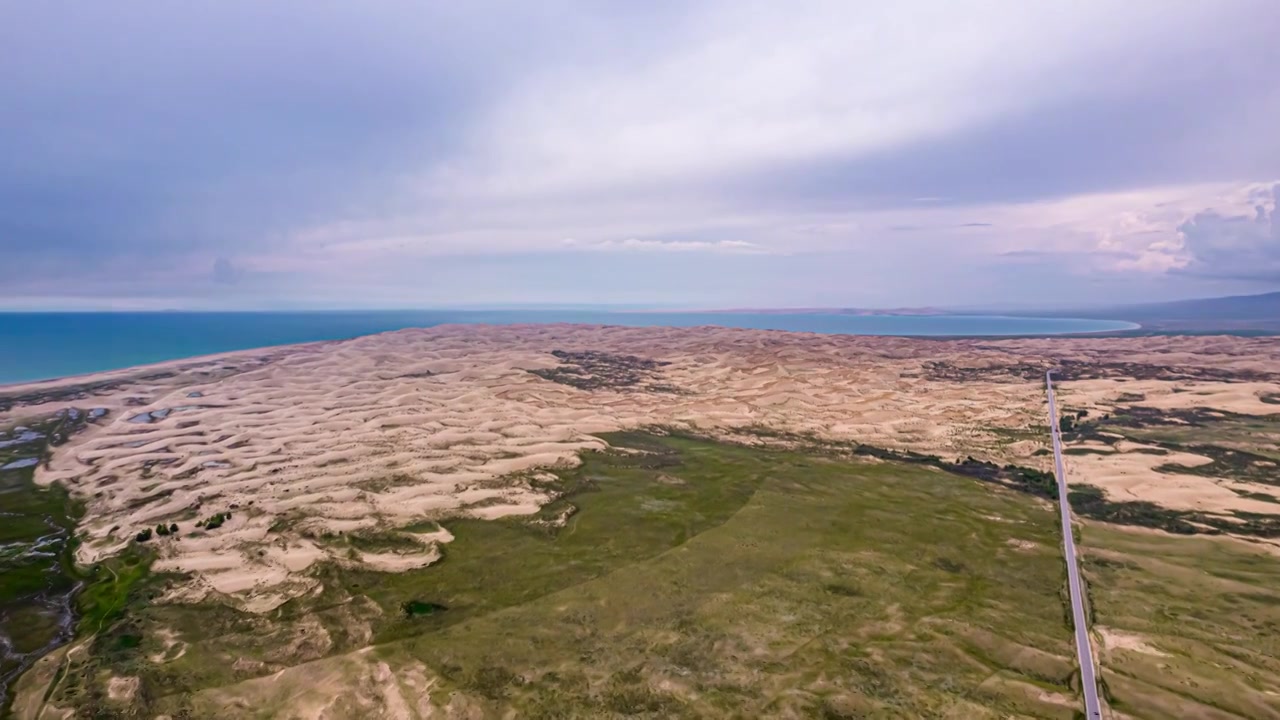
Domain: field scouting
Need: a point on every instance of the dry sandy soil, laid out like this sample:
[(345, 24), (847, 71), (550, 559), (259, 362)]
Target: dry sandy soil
[(389, 429)]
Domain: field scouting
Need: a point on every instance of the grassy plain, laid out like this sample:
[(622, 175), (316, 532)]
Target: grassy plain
[(1194, 623)]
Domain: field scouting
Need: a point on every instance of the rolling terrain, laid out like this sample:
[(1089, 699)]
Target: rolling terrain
[(581, 521)]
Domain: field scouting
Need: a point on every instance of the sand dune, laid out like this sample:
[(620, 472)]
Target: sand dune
[(390, 429)]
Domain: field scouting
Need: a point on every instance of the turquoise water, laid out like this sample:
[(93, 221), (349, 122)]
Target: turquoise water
[(35, 346)]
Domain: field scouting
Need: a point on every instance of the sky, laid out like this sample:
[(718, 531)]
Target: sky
[(955, 153)]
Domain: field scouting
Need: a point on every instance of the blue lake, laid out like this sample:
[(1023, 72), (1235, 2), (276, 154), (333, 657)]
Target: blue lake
[(35, 346)]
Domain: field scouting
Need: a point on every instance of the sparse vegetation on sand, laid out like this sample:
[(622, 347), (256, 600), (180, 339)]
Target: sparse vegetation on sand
[(74, 391), (1217, 434), (592, 370), (1226, 446), (1070, 369), (214, 521)]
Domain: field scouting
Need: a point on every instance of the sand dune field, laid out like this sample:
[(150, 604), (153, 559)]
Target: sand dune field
[(387, 430)]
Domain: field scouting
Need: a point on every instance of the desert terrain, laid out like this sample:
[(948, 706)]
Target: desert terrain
[(284, 484)]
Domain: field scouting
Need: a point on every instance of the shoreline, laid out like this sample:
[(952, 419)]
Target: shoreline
[(124, 372), (135, 372)]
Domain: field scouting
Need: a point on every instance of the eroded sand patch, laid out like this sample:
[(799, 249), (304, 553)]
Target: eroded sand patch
[(122, 689), (1113, 639)]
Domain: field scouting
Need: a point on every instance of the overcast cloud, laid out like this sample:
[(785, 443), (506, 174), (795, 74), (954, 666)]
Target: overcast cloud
[(401, 154)]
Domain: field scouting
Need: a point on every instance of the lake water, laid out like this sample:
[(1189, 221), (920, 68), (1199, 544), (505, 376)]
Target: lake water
[(35, 346)]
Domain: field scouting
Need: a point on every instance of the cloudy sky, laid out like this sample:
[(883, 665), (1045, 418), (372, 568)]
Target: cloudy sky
[(307, 153)]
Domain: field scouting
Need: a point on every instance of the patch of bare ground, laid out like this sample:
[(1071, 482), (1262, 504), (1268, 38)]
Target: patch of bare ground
[(1113, 640)]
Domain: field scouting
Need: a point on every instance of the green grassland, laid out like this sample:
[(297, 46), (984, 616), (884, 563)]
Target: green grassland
[(695, 579), (1209, 608)]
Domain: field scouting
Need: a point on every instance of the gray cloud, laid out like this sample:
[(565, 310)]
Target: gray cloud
[(154, 127), (1130, 137), (224, 272), (1242, 247)]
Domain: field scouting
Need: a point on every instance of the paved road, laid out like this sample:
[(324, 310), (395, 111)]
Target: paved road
[(1088, 673)]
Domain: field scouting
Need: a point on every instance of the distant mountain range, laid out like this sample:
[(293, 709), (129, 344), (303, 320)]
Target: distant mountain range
[(1238, 313), (837, 311), (1251, 314), (1237, 307)]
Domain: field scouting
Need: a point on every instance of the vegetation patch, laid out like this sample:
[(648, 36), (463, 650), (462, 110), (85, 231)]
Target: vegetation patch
[(1238, 447), (109, 587), (1260, 496), (417, 608), (1089, 370), (1182, 427), (1091, 502), (1227, 463), (214, 521), (382, 541), (383, 484), (74, 392), (1029, 480), (1034, 433), (591, 370)]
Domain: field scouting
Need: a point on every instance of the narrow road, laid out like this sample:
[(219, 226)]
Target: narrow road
[(1088, 673)]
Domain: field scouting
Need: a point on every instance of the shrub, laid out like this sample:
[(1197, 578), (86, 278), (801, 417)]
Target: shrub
[(215, 522)]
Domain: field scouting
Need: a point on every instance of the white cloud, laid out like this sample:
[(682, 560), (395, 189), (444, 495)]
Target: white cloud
[(739, 85), (639, 245), (1139, 232), (1219, 229)]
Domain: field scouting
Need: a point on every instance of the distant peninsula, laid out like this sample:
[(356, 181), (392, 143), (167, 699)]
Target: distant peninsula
[(864, 312)]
